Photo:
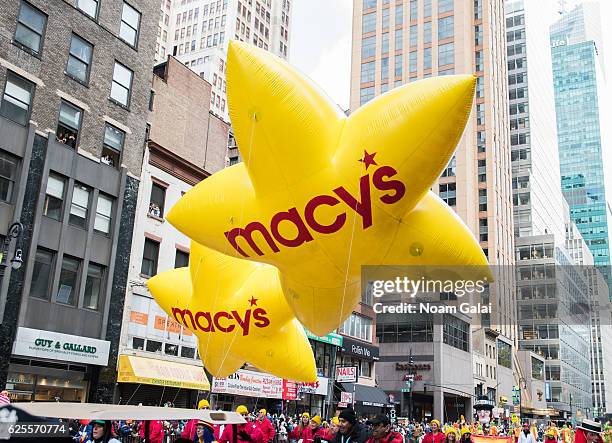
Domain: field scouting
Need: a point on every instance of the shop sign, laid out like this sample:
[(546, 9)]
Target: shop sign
[(56, 346), (346, 397), (359, 349), (250, 384), (413, 367), (331, 338), (346, 374)]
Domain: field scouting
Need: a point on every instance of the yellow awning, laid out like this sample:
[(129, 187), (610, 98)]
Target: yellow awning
[(151, 371)]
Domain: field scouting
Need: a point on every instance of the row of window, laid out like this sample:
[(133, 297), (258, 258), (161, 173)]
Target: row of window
[(357, 326), (443, 6), (68, 288), (16, 106), (150, 258), (218, 22), (80, 204), (32, 24), (446, 56), (149, 345)]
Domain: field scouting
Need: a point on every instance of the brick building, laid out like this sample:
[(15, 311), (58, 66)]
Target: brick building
[(75, 78)]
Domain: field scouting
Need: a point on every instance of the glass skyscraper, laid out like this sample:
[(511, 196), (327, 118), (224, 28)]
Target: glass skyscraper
[(577, 72)]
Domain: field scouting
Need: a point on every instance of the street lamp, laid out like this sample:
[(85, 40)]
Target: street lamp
[(15, 231), (521, 383)]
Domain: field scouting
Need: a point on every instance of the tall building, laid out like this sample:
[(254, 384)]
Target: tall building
[(76, 83), (158, 359), (197, 32), (403, 41), (577, 58)]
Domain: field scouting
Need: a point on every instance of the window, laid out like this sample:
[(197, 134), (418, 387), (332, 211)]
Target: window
[(89, 7), (54, 197), (93, 286), (399, 39), (385, 18), (426, 8), (357, 326), (149, 258), (414, 10), (69, 124), (366, 94), (482, 199), (384, 68), (17, 99), (122, 83), (445, 27), (427, 58), (30, 29), (104, 210), (504, 354), (368, 47), (445, 6), (399, 14), (181, 260), (367, 72), (42, 274), (130, 23), (154, 346), (368, 22), (69, 275), (456, 333), (79, 206), (158, 197), (112, 146), (412, 62), (79, 59), (187, 352), (398, 65), (385, 43), (427, 32), (413, 35), (8, 175), (446, 54), (367, 4)]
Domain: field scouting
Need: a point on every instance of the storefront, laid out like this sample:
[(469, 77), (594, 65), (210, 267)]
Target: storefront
[(50, 366), (154, 382)]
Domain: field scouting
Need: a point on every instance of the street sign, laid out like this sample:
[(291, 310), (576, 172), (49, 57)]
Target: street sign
[(346, 374), (404, 390), (342, 405), (346, 397)]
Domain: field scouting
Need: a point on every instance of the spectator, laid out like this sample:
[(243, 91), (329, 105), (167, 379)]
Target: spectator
[(350, 429)]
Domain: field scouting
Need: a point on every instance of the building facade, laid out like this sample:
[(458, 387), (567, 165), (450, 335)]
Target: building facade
[(186, 144), (76, 87), (577, 58), (396, 42), (197, 32)]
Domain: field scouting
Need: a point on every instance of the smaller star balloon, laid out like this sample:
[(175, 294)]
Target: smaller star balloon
[(215, 299)]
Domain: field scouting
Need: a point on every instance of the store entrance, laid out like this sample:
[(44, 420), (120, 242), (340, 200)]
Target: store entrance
[(33, 387)]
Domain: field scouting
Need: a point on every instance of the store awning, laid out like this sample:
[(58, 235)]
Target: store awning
[(367, 395), (150, 371)]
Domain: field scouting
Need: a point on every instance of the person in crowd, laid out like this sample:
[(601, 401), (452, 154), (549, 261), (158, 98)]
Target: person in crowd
[(589, 432), (331, 432), (566, 434), (451, 435), (415, 434), (350, 429), (607, 433), (101, 432), (314, 431), (466, 435), (297, 432), (283, 430), (381, 431), (265, 426), (493, 431), (190, 429), (246, 432), (436, 435), (205, 432), (156, 431), (526, 436)]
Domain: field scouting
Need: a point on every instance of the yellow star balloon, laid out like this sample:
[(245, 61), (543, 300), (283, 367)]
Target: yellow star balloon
[(238, 311), (320, 194)]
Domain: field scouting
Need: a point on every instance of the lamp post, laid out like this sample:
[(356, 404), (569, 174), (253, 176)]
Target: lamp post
[(15, 231), (521, 383)]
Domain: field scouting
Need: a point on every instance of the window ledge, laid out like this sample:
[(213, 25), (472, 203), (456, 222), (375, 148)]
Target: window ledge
[(154, 217), (24, 48), (145, 276), (121, 105), (80, 82)]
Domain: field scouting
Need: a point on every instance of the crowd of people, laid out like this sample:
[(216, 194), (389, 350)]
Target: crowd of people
[(344, 427)]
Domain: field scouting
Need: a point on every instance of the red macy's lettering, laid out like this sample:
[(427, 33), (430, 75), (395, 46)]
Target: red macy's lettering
[(221, 321), (362, 206)]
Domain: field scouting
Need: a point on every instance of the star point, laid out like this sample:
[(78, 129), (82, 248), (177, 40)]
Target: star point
[(253, 301), (368, 159)]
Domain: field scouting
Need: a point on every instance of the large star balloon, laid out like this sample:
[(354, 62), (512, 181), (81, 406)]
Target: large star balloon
[(320, 194), (238, 311)]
